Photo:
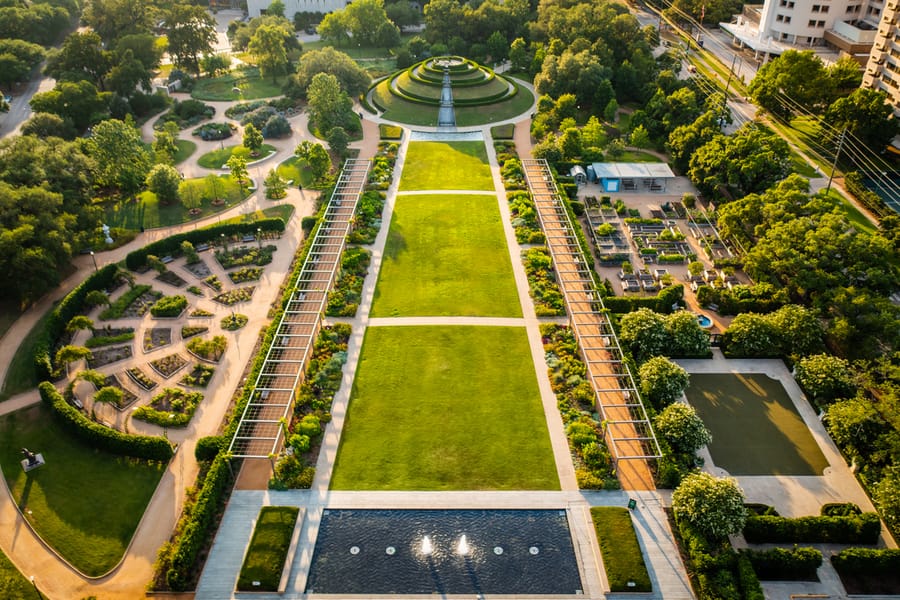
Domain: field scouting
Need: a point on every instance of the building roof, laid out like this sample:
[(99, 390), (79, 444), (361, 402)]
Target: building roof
[(633, 170)]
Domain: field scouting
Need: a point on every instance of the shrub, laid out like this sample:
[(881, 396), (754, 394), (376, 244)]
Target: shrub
[(169, 306), (100, 437), (258, 117), (867, 562), (781, 564), (209, 446), (854, 529), (276, 127), (210, 132)]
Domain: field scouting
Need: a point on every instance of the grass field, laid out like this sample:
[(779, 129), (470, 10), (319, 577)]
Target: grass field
[(12, 583), (446, 256), (445, 408), (268, 549), (147, 212), (413, 113), (86, 504), (295, 170), (622, 557), (185, 149), (247, 80), (446, 166), (755, 427), (21, 376), (217, 158)]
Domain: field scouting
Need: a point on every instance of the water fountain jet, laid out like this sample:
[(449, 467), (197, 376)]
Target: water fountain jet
[(463, 546), (427, 548)]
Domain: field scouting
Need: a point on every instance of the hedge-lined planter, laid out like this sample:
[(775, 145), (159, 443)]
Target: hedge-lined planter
[(868, 571), (855, 529), (101, 437), (782, 564)]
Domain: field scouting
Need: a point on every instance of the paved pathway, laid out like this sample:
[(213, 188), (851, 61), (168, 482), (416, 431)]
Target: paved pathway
[(670, 581)]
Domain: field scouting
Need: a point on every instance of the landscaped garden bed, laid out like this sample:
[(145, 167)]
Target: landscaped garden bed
[(542, 286), (195, 290), (214, 131), (209, 350), (243, 256), (266, 555), (157, 337), (169, 307), (368, 218), (200, 269), (213, 282), (524, 218), (109, 335), (133, 303), (200, 313), (128, 397), (234, 321), (169, 365), (245, 274), (105, 356), (189, 331), (141, 378), (185, 114), (172, 407), (199, 376), (622, 557), (232, 297), (575, 399), (172, 278), (344, 298)]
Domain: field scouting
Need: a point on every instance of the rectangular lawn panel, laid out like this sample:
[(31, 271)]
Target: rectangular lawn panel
[(755, 427), (268, 549), (446, 256), (446, 166), (445, 408), (622, 557), (85, 503)]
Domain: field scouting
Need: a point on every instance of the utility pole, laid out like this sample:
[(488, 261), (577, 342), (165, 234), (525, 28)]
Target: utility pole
[(837, 153)]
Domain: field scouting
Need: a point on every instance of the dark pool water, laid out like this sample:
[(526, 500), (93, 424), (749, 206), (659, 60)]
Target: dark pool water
[(383, 552)]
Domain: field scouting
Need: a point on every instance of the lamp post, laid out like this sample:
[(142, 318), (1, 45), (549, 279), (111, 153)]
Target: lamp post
[(259, 237), (224, 242), (36, 590), (94, 258)]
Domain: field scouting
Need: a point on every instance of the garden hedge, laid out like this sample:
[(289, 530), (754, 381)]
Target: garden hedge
[(661, 303), (68, 307), (867, 562), (854, 529), (99, 436), (171, 246), (782, 564)]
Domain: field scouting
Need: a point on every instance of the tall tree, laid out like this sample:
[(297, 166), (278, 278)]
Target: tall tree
[(17, 59), (113, 19), (791, 82), (81, 57), (335, 28), (714, 506), (865, 114), (163, 180), (267, 47), (316, 158), (79, 102), (122, 161), (329, 106), (191, 32), (353, 79)]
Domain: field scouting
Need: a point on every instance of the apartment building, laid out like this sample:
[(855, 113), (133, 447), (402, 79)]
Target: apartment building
[(883, 68)]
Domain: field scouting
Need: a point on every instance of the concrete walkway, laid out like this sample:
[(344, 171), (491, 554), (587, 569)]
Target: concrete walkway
[(667, 573)]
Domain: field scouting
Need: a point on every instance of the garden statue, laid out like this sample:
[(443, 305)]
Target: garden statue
[(32, 460), (31, 457)]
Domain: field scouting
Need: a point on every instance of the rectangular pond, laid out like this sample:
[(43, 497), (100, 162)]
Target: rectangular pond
[(444, 552)]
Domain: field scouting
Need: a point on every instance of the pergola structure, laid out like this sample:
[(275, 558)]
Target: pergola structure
[(627, 428), (260, 429)]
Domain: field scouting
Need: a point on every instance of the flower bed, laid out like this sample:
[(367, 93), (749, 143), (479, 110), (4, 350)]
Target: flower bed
[(170, 408), (105, 356), (575, 399), (195, 290), (232, 297), (188, 331), (209, 350), (524, 218), (246, 274), (233, 322), (169, 365), (172, 278), (128, 397), (200, 312), (133, 303), (199, 269), (157, 338), (199, 376), (245, 255), (548, 300), (368, 218), (169, 307), (110, 335), (213, 282), (141, 378), (343, 299), (214, 131)]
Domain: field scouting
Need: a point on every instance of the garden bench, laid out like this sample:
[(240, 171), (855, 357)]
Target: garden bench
[(201, 247), (248, 238), (78, 403), (166, 260)]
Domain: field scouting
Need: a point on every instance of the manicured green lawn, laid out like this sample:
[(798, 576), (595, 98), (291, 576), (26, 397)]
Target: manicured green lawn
[(185, 149), (755, 428), (148, 212), (446, 256), (413, 113), (637, 156), (12, 583), (247, 79), (622, 557), (295, 170), (217, 158), (268, 549), (282, 211), (84, 503), (445, 408), (21, 375), (446, 166)]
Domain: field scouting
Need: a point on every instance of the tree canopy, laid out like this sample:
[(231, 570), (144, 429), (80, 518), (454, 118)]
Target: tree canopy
[(713, 506)]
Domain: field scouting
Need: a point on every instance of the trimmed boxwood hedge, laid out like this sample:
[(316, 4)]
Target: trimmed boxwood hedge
[(855, 529), (867, 562), (782, 564), (68, 307), (661, 303), (172, 245), (100, 437)]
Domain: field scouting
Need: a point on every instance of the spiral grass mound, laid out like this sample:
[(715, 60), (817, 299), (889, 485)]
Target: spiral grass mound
[(480, 96)]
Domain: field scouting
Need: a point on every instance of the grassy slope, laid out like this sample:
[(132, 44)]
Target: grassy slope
[(84, 503), (470, 418), (439, 264)]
